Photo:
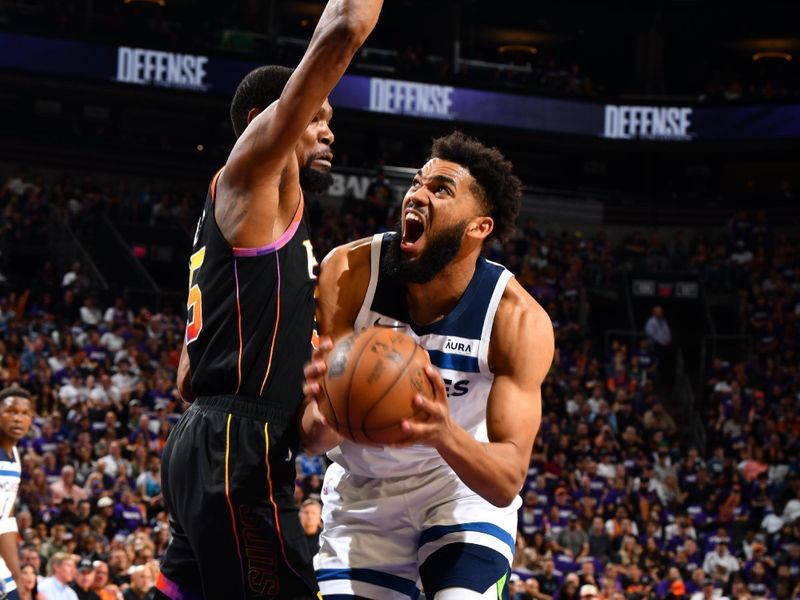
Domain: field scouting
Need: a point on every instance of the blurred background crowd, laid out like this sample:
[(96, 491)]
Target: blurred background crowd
[(617, 495)]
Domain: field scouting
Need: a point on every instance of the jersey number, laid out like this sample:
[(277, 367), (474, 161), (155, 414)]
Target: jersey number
[(312, 262), (194, 303)]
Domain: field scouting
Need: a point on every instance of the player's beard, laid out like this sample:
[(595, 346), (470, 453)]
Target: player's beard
[(313, 180), (439, 251)]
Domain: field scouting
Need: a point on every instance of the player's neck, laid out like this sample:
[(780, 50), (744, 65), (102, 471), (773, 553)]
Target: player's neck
[(432, 301), (7, 444)]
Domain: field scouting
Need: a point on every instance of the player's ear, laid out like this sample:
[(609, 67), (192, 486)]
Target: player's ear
[(479, 228), (252, 114)]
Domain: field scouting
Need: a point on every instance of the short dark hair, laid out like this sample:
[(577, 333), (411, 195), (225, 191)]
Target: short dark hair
[(496, 185), (259, 88), (15, 392)]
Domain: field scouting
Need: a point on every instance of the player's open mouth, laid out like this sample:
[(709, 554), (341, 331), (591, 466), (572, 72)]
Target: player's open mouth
[(413, 231)]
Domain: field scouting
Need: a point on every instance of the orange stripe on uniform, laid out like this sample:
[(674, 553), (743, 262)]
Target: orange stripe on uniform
[(228, 494), (214, 184), (277, 324), (275, 507)]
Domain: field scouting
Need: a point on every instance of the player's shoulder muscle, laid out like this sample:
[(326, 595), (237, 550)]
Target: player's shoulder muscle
[(351, 259), (343, 281), (522, 334)]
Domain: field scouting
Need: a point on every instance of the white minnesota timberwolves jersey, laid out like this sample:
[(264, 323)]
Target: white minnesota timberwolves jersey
[(458, 346), (10, 470)]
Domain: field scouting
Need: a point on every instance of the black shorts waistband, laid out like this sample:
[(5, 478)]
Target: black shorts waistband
[(257, 409)]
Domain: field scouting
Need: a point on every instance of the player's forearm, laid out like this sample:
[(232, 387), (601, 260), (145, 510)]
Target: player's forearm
[(357, 18), (9, 554), (493, 470)]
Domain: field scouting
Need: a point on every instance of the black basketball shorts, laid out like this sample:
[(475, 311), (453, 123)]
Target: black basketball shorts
[(228, 482)]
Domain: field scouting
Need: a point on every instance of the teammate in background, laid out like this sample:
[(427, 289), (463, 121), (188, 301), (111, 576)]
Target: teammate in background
[(228, 473), (16, 415), (449, 494)]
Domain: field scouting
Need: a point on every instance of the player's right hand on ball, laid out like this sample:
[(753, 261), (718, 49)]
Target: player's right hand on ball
[(318, 436)]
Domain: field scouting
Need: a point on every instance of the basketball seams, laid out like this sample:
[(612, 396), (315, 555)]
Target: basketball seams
[(352, 377), (390, 354), (419, 411), (375, 404), (330, 403)]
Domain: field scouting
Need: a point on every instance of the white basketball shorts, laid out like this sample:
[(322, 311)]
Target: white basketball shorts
[(384, 538)]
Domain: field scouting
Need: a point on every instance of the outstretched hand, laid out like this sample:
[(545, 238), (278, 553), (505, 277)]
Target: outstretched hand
[(434, 425)]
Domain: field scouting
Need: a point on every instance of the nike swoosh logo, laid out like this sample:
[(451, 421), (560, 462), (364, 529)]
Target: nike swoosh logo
[(378, 323)]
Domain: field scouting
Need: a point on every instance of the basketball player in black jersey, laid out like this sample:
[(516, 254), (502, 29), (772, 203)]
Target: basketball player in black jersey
[(228, 473)]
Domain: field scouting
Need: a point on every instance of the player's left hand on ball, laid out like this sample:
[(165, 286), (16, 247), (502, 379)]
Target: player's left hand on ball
[(315, 429), (315, 369), (435, 423)]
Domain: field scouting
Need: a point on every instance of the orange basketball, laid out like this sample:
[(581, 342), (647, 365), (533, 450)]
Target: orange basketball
[(370, 385)]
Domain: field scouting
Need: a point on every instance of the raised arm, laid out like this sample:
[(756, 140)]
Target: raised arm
[(260, 153)]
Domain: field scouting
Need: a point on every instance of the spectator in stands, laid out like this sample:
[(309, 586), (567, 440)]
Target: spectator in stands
[(311, 520), (659, 419), (84, 580), (90, 314), (599, 540), (549, 580), (573, 540), (148, 483), (113, 461), (56, 542), (142, 585), (589, 592), (75, 280), (61, 570), (720, 562), (30, 583), (530, 591), (571, 588), (101, 585), (128, 512), (66, 486)]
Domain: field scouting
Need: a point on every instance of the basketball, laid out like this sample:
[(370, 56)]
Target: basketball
[(370, 385)]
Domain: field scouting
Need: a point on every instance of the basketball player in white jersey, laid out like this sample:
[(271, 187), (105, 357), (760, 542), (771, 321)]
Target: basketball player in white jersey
[(439, 510), (16, 414)]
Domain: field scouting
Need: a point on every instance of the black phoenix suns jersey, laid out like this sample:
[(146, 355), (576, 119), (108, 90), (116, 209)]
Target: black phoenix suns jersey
[(250, 311)]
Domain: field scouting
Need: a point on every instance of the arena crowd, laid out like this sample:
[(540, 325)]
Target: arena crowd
[(615, 505)]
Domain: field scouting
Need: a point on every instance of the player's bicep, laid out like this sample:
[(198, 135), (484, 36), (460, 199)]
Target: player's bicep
[(513, 413), (521, 353)]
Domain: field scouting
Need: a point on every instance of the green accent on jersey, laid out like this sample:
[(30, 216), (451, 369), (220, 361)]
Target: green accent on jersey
[(501, 584)]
